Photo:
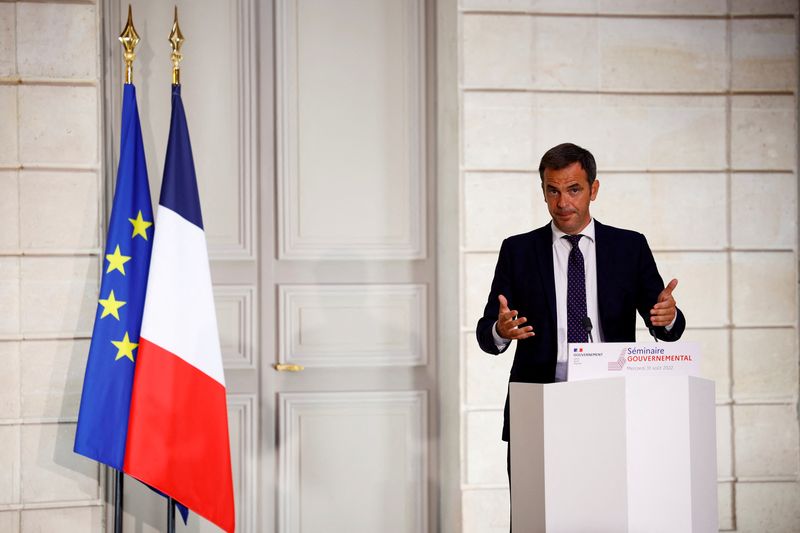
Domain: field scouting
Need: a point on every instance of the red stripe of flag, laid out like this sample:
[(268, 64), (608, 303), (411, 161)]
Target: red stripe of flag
[(180, 424)]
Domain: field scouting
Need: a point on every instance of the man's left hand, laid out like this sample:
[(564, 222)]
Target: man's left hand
[(663, 313)]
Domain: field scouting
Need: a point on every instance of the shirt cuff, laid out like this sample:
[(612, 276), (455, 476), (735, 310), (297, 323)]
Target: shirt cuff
[(669, 326), (499, 342)]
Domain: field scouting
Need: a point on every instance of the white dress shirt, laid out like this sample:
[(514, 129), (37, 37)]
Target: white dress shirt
[(561, 250)]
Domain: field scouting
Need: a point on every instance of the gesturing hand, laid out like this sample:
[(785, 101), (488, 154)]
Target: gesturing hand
[(508, 325), (664, 311)]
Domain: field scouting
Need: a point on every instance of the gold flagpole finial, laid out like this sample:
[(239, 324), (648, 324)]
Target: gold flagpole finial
[(129, 39), (176, 39)]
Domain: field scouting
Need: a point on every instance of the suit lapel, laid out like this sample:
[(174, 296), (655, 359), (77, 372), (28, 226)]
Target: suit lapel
[(603, 258), (543, 251)]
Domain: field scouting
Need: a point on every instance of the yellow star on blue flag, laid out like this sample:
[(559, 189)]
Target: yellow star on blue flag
[(140, 226)]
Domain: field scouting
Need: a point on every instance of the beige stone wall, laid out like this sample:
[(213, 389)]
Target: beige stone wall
[(690, 110), (50, 212)]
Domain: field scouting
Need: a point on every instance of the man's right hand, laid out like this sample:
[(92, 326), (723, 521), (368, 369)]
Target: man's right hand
[(508, 325)]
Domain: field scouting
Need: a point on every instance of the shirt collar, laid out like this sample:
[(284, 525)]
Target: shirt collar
[(587, 232)]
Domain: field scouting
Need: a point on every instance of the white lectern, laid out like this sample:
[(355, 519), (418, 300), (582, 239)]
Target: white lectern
[(614, 455)]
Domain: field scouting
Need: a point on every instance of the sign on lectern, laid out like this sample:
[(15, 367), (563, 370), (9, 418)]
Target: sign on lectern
[(622, 359)]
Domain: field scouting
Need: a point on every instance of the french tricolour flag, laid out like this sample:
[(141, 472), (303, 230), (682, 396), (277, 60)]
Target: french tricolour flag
[(178, 427)]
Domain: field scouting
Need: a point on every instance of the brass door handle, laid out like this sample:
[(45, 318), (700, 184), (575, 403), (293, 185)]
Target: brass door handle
[(283, 367)]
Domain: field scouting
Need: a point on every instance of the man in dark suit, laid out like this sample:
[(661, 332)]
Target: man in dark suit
[(548, 281)]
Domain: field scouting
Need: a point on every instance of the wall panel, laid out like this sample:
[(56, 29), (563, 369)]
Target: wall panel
[(237, 318), (351, 126), (328, 477), (353, 325)]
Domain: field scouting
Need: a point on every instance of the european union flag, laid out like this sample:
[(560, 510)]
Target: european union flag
[(105, 402)]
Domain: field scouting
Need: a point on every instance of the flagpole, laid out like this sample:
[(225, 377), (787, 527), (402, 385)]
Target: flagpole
[(129, 39), (176, 40), (170, 515), (118, 494)]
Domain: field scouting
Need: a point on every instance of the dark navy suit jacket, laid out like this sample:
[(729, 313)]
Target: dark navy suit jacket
[(627, 281)]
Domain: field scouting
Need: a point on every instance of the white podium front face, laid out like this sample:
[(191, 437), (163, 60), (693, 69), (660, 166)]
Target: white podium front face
[(621, 454), (584, 443), (659, 450)]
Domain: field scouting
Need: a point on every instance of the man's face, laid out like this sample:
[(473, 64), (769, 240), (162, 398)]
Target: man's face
[(567, 193)]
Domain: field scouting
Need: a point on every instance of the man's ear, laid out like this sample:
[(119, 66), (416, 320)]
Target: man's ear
[(595, 187)]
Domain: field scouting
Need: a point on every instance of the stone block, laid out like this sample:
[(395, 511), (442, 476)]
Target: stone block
[(766, 440), (764, 7), (565, 63), (51, 471), (9, 380), (9, 521), (663, 54), (58, 124), (764, 210), (497, 205), (65, 520), (10, 295), (615, 7), (511, 131), (57, 40), (662, 7), (497, 131), (486, 511), (59, 210), (725, 506), (772, 507), (9, 464), (485, 451), (765, 364), (9, 154), (690, 135), (715, 357), (9, 209), (59, 294), (497, 50), (478, 275), (702, 292), (658, 206), (74, 27), (618, 129), (487, 375), (8, 49), (520, 51), (724, 442), (52, 378), (763, 288), (763, 132), (764, 55), (530, 6)]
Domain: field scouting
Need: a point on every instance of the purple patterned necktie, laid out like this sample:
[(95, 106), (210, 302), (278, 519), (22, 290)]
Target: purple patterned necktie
[(576, 292)]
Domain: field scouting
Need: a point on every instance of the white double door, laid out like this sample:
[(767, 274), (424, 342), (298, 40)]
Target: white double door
[(308, 121)]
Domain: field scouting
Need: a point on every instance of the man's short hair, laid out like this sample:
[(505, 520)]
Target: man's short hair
[(563, 155)]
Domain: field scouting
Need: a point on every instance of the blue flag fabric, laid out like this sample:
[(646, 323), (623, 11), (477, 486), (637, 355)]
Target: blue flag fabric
[(105, 401), (107, 383), (179, 189), (106, 397)]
